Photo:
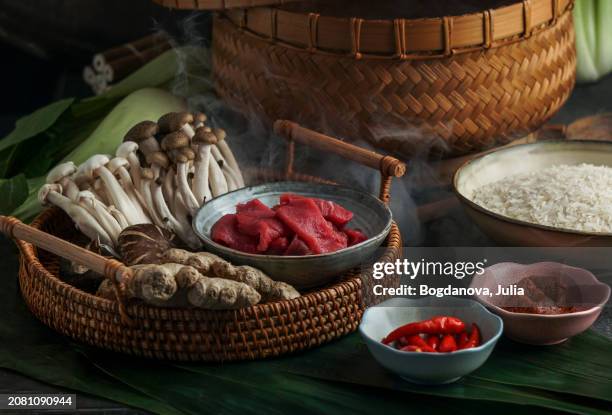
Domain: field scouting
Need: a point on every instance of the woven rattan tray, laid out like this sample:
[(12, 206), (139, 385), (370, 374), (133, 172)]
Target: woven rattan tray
[(261, 331), (452, 84)]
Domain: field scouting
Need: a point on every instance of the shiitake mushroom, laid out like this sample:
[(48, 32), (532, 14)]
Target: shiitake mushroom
[(144, 244)]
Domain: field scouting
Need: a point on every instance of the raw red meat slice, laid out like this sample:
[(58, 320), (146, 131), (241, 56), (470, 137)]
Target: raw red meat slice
[(297, 247), (355, 236), (278, 246), (331, 211), (303, 217), (226, 232), (268, 230), (255, 208), (256, 219)]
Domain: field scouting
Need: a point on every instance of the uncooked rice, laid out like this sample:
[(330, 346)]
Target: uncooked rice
[(568, 197)]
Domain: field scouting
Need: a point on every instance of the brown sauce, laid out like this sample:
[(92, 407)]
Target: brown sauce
[(544, 310)]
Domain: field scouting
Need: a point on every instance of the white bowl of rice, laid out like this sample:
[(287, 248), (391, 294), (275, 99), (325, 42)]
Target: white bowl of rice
[(551, 193)]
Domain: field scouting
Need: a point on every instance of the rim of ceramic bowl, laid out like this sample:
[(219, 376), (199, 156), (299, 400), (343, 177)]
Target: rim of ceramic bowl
[(588, 311), (519, 222), (380, 235), (482, 308)]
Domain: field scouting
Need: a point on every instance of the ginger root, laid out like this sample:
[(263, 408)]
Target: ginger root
[(214, 266), (154, 284), (177, 285)]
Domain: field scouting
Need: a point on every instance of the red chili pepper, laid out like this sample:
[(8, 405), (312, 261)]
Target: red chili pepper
[(433, 341), (448, 344), (436, 325), (418, 341), (474, 340), (463, 339), (411, 348), (401, 342)]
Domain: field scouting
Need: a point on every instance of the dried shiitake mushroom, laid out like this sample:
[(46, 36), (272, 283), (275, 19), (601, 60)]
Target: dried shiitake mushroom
[(144, 244)]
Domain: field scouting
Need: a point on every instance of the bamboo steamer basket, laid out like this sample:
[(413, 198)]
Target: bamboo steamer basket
[(187, 334), (216, 4), (448, 85)]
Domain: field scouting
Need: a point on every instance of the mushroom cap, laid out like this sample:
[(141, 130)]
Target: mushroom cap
[(188, 152), (173, 121), (87, 169), (220, 133), (146, 174), (60, 171), (202, 136), (116, 163), (174, 140), (199, 117), (144, 244), (182, 155), (45, 189), (141, 131), (158, 158), (126, 148)]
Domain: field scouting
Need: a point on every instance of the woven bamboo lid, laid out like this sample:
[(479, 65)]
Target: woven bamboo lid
[(218, 4), (370, 31)]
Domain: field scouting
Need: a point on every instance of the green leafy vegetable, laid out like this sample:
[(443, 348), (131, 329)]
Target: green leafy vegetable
[(13, 192), (73, 129), (35, 123), (593, 23), (144, 104)]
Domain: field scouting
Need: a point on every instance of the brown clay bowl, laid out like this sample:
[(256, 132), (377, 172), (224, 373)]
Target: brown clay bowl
[(584, 290), (498, 164)]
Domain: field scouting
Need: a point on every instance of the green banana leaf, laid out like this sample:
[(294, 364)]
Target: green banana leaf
[(337, 378), (573, 377)]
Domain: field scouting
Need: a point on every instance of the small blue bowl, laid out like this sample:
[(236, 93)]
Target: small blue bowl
[(429, 368)]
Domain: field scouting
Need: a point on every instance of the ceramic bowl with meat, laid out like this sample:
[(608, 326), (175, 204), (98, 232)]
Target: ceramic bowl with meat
[(302, 233)]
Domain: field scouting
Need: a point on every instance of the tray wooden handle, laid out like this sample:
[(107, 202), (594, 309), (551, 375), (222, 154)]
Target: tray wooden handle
[(388, 166), (112, 269)]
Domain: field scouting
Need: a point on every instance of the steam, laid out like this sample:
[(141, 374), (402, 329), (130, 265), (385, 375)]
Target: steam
[(254, 145)]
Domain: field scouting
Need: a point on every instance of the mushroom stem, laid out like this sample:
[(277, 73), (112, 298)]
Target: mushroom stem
[(188, 197), (182, 214), (120, 198), (128, 151), (233, 181), (133, 193), (218, 184), (97, 188), (145, 190), (168, 187), (98, 210), (201, 191), (183, 230), (228, 155), (120, 217), (71, 190), (82, 219)]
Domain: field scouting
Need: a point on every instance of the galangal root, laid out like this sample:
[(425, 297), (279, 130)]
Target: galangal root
[(177, 285), (212, 265)]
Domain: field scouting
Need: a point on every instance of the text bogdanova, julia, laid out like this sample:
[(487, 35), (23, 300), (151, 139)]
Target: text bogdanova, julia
[(423, 289)]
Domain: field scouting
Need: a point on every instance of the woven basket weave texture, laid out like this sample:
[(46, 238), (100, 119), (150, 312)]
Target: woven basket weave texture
[(457, 104), (257, 332)]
